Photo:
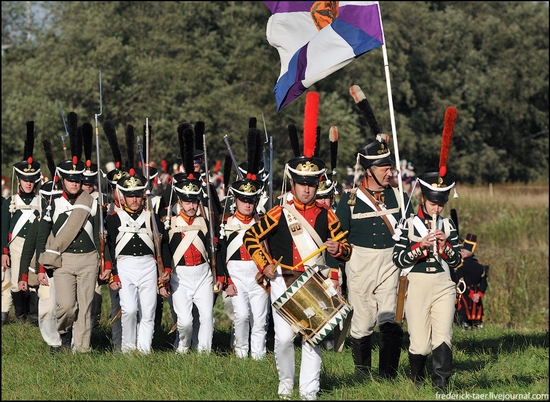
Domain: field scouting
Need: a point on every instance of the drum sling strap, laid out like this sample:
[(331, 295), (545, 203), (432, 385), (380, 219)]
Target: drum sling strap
[(55, 245), (304, 243)]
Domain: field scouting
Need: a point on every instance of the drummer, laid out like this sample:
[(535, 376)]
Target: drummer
[(294, 231)]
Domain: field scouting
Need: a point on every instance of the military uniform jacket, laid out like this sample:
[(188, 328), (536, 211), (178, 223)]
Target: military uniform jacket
[(131, 234), (87, 239), (18, 214), (273, 227), (366, 226), (407, 253), (188, 241), (230, 244)]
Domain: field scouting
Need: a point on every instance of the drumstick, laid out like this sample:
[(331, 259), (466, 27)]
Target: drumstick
[(321, 249), (276, 264)]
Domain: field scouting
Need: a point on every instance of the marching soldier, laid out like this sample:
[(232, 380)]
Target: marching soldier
[(370, 212), (131, 244), (248, 300), (68, 243), (293, 231), (47, 318), (18, 213), (429, 244), (428, 251), (192, 281)]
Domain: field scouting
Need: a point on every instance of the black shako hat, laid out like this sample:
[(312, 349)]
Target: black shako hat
[(470, 243), (28, 169), (436, 188), (132, 184)]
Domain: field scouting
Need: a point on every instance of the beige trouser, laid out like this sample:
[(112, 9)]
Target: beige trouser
[(16, 248), (12, 274), (372, 289), (75, 286), (7, 300), (429, 309)]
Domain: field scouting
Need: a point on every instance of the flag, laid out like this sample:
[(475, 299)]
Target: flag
[(316, 38)]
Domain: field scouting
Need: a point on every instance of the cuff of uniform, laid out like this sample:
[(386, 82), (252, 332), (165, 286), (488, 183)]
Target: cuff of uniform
[(418, 251), (339, 253), (230, 281), (24, 277), (168, 271), (108, 266), (6, 251), (41, 269), (334, 274), (220, 278)]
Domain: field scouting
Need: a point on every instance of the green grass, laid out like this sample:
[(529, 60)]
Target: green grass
[(508, 359), (492, 359)]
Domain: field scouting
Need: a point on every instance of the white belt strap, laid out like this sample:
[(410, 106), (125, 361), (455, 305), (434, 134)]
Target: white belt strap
[(237, 241), (129, 227), (191, 237), (388, 212)]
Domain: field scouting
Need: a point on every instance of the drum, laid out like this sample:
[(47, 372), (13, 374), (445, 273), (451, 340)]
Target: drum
[(312, 306)]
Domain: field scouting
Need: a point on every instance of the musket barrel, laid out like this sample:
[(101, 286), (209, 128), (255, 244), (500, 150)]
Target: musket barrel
[(235, 164)]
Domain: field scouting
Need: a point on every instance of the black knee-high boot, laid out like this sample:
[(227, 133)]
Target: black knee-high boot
[(442, 362), (417, 365), (33, 307), (391, 338), (361, 350), (20, 305)]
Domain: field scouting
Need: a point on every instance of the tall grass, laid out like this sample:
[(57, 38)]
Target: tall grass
[(512, 227), (509, 356)]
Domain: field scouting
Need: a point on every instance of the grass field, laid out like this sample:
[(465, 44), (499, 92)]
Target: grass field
[(507, 359)]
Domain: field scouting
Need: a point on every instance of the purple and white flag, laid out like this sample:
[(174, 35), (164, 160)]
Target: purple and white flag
[(316, 38)]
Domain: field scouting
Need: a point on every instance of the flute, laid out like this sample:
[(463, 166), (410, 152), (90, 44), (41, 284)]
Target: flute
[(434, 227)]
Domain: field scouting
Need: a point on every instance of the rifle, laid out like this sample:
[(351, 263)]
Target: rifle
[(157, 237), (66, 132), (100, 199), (211, 218), (235, 164)]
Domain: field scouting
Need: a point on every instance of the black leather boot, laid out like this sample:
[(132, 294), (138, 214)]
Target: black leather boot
[(66, 340), (20, 305), (5, 318), (33, 307), (442, 362), (361, 350), (417, 372), (391, 338)]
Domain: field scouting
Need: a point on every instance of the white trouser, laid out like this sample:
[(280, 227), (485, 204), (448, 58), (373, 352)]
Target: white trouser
[(193, 285), (310, 367), (47, 317), (249, 310), (138, 295)]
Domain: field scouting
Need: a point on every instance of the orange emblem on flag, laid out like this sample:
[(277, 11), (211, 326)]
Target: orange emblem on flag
[(323, 13)]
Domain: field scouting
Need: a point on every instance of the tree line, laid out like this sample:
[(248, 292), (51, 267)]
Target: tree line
[(210, 61)]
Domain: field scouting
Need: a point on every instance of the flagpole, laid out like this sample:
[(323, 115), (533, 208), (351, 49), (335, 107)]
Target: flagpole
[(394, 133)]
